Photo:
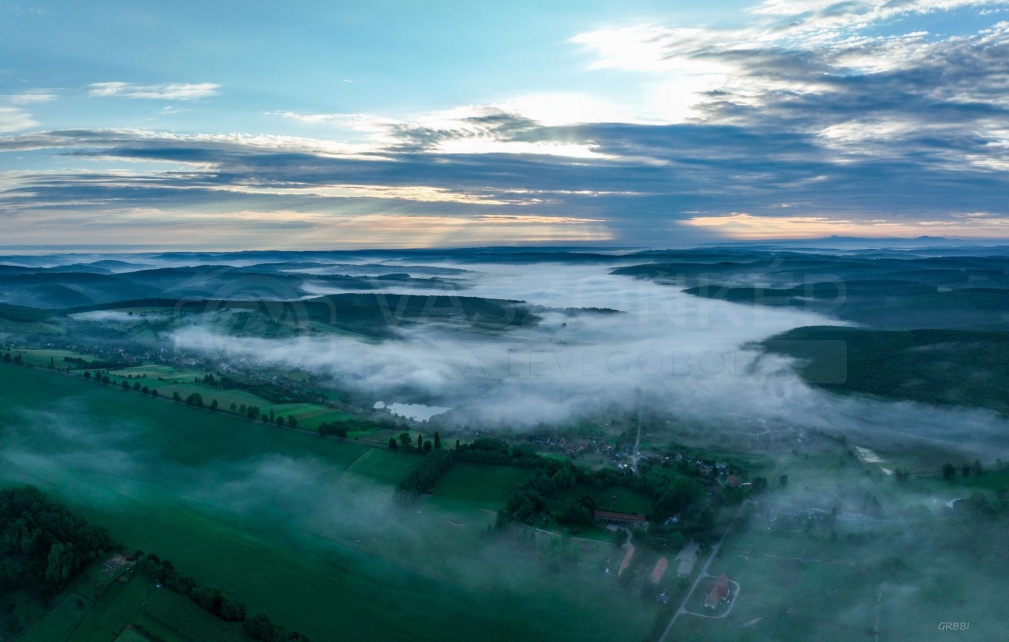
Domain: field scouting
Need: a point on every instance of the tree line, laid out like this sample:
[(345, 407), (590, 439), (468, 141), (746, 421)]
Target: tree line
[(44, 546), (258, 626), (422, 478)]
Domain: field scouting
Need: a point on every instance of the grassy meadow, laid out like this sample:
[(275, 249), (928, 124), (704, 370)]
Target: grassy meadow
[(170, 379), (301, 527)]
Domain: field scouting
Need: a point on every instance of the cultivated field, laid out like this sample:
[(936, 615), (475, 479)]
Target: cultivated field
[(301, 527)]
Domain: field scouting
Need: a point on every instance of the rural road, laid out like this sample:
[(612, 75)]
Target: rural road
[(637, 441), (704, 571)]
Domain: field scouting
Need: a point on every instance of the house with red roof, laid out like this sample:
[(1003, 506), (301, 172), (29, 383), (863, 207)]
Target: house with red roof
[(718, 592), (621, 519)]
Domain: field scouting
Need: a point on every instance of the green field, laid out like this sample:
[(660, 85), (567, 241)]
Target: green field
[(43, 357), (303, 528), (478, 486), (170, 379)]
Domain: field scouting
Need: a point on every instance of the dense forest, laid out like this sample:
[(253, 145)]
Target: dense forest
[(42, 544), (931, 366)]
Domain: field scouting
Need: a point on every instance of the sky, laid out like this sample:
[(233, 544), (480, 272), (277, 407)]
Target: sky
[(396, 123)]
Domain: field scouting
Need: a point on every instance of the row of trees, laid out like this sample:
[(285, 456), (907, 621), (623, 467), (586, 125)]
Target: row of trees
[(423, 477), (949, 471), (257, 625), (195, 399), (253, 413), (104, 378)]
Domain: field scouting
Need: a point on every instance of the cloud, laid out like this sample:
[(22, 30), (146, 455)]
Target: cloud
[(846, 113), (743, 226), (796, 50), (165, 91), (13, 119), (29, 98), (642, 183)]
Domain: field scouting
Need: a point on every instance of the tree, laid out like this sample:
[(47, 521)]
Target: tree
[(902, 474), (259, 627), (126, 386), (176, 397), (280, 420), (457, 444), (195, 399), (271, 415), (427, 446), (423, 478), (154, 392), (948, 471), (783, 480), (233, 407), (576, 514), (208, 598), (292, 422), (59, 564), (392, 444), (213, 405), (231, 610), (106, 379), (420, 442), (965, 469), (677, 497), (437, 440), (976, 468), (404, 439), (136, 385), (87, 375), (145, 390), (253, 412)]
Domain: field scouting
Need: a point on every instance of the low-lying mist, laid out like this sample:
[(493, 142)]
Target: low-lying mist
[(693, 359)]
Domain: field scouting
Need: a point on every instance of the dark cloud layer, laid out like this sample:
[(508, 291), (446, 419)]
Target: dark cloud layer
[(902, 128)]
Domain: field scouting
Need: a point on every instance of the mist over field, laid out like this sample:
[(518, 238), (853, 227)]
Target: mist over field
[(603, 322), (601, 338)]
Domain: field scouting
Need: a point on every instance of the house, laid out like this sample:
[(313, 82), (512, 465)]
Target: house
[(628, 556), (620, 519), (659, 570), (718, 592), (733, 481), (672, 520), (712, 601)]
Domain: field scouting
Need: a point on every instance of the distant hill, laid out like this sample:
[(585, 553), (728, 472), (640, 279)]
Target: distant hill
[(931, 366)]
